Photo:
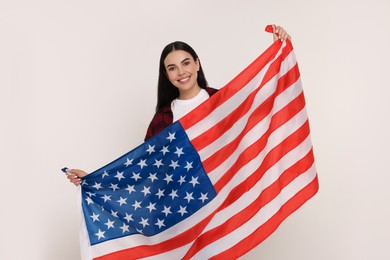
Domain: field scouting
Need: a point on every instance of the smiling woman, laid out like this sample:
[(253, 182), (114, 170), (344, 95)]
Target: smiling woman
[(182, 86)]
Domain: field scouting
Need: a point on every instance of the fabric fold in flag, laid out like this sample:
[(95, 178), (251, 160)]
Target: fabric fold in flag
[(214, 184)]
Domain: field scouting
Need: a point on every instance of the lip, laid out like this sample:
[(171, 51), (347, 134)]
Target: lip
[(184, 79)]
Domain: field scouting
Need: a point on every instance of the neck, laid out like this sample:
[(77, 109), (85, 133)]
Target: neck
[(190, 93)]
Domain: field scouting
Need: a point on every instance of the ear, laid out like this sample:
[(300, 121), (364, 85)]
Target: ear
[(197, 62)]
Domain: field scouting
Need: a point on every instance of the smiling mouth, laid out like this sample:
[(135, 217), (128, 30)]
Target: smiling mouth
[(184, 80)]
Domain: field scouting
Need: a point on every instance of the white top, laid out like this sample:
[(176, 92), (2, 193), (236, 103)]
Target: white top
[(181, 107)]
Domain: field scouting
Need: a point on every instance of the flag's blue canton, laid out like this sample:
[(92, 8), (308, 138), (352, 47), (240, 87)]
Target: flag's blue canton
[(148, 190)]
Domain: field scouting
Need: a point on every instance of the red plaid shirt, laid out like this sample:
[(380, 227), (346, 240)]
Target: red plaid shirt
[(164, 117)]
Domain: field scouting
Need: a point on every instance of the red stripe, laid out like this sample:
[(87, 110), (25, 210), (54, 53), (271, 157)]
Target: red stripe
[(270, 160), (214, 133), (256, 116), (233, 86), (168, 245), (243, 216), (271, 225), (280, 118)]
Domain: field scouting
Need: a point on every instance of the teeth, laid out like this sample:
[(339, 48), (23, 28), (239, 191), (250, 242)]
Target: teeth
[(182, 80)]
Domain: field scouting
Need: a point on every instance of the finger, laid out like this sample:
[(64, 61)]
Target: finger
[(73, 171), (76, 181), (72, 176), (282, 32), (274, 31)]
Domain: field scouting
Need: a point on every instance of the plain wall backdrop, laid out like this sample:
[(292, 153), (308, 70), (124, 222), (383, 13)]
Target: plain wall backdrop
[(78, 89)]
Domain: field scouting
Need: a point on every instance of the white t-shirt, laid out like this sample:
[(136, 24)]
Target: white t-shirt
[(181, 107)]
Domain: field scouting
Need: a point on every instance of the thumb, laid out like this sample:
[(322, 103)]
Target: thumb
[(77, 172), (275, 32)]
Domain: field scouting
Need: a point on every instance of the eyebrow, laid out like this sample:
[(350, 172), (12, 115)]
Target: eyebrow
[(170, 65)]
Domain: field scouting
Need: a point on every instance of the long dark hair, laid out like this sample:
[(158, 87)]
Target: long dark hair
[(166, 91)]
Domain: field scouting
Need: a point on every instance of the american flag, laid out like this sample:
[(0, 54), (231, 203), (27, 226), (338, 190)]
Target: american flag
[(214, 184)]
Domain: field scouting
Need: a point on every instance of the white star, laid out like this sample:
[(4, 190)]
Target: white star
[(142, 163), (90, 194), (174, 164), (137, 205), (89, 200), (84, 183), (167, 211), (173, 194), (189, 197), (114, 187), (168, 178), (125, 228), (160, 223), (151, 206), (182, 180), (153, 176), (165, 150), (179, 151), (97, 186), (106, 197), (109, 223), (136, 176), (171, 136), (119, 175), (130, 188), (100, 234), (150, 150), (144, 222), (158, 163), (105, 173), (122, 201), (194, 181), (129, 217), (146, 191), (128, 162), (95, 217), (114, 213), (182, 210), (203, 197), (160, 193), (188, 166)]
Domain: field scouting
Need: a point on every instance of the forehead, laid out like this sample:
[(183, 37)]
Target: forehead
[(176, 57)]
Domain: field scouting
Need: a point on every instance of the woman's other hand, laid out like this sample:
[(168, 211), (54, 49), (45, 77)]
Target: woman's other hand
[(74, 176), (280, 33)]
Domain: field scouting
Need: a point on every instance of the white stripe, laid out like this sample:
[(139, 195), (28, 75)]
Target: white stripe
[(269, 177), (255, 133), (85, 252), (232, 103), (265, 92), (238, 126), (260, 218)]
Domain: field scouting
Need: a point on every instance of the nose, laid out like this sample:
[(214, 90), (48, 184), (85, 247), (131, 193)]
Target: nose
[(180, 71)]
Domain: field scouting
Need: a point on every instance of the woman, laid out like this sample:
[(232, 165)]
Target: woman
[(182, 86)]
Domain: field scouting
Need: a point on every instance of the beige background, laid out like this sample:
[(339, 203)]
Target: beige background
[(78, 83)]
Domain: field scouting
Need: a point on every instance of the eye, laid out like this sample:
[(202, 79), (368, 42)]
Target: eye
[(186, 63), (171, 68)]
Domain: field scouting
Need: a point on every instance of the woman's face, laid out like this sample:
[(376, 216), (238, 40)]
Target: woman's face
[(182, 71)]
